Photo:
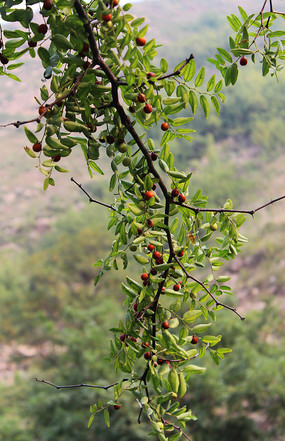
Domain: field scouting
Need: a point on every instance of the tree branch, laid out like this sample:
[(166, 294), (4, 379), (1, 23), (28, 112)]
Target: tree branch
[(72, 386), (207, 290), (226, 210), (95, 200)]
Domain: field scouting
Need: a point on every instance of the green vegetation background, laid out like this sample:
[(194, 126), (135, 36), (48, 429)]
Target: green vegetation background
[(54, 323)]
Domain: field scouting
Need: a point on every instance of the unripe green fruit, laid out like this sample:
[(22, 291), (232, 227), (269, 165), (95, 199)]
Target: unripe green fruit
[(127, 161), (122, 148), (214, 227), (133, 248)]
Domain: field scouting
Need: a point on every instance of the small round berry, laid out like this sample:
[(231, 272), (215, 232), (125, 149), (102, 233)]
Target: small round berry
[(150, 223), (123, 337), (176, 287), (163, 289), (150, 75), (141, 98), (160, 361), (154, 156), (165, 325), (194, 340), (135, 306), (140, 231), (141, 41), (147, 108), (115, 3), (144, 276), (156, 255), (243, 61), (180, 254), (42, 29), (85, 47), (32, 43), (174, 192), (106, 17), (155, 364), (148, 195), (48, 4), (4, 60), (56, 158), (159, 261), (150, 247), (147, 355), (110, 139), (153, 272), (182, 198), (133, 339), (37, 147), (164, 126), (41, 109), (132, 109), (117, 406), (145, 344), (154, 187)]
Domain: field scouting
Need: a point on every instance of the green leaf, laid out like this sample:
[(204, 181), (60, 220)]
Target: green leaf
[(218, 86), (234, 73), (107, 417), (200, 77), (44, 56), (193, 369), (182, 120), (193, 101), (142, 260), (14, 66), (189, 70), (211, 83), (205, 105), (225, 54), (163, 65), (31, 137), (112, 182), (215, 103), (61, 42), (95, 167), (211, 339), (191, 316), (201, 328)]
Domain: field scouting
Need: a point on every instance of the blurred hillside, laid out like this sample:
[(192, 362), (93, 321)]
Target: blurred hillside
[(53, 320)]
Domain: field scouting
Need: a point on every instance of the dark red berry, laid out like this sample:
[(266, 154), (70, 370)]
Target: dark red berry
[(243, 61), (48, 4), (176, 287), (174, 192), (37, 147), (148, 195), (156, 255), (165, 325), (153, 271), (123, 337), (42, 29), (147, 108), (117, 406), (194, 340), (56, 158), (180, 254), (141, 41), (32, 43), (141, 98), (150, 247), (110, 139), (144, 276), (147, 355), (154, 156), (150, 75), (182, 198)]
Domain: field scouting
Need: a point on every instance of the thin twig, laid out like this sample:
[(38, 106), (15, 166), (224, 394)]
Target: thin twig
[(226, 210), (72, 386), (207, 290), (178, 71), (95, 200)]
